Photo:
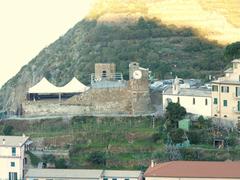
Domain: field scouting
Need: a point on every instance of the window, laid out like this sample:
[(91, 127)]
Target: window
[(105, 178), (12, 164), (225, 103), (114, 178), (215, 88), (237, 91), (215, 101), (13, 151), (104, 74), (12, 176), (235, 65), (225, 116), (193, 101), (206, 102), (225, 89), (178, 100), (238, 106), (126, 179)]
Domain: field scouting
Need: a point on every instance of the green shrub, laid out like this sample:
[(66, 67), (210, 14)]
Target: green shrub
[(7, 130), (97, 158)]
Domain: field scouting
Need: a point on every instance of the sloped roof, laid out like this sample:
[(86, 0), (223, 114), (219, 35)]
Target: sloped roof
[(44, 86), (73, 86), (13, 140), (195, 169), (64, 173)]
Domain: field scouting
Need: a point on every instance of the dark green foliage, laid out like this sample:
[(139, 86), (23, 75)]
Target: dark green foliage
[(155, 137), (7, 130), (97, 158), (200, 136), (174, 113), (177, 135), (34, 159), (232, 51), (61, 163), (49, 158), (151, 43)]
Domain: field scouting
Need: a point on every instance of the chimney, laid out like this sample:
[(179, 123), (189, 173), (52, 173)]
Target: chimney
[(152, 163), (3, 141)]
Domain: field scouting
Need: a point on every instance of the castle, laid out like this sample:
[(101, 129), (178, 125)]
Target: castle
[(109, 94)]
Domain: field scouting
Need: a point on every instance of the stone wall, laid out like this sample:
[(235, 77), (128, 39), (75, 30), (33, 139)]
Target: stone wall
[(105, 101)]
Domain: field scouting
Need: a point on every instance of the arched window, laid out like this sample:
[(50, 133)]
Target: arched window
[(104, 74)]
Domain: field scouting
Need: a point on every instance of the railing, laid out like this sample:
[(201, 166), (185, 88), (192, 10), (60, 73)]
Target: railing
[(236, 110), (106, 76)]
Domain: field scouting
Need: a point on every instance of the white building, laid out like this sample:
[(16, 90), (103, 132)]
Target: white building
[(12, 158), (195, 101), (82, 174)]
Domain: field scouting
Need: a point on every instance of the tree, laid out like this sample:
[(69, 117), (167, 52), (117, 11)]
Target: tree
[(174, 113), (177, 135), (60, 163), (98, 158), (232, 51), (7, 130)]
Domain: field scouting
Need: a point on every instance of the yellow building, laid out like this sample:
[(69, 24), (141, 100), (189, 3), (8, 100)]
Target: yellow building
[(12, 158), (226, 94)]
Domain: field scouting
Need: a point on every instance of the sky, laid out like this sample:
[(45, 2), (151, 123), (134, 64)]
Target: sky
[(28, 26)]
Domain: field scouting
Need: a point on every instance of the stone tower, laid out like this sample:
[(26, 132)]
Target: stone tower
[(104, 71), (139, 89)]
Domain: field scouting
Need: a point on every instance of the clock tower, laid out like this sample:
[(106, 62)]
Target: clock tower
[(139, 88)]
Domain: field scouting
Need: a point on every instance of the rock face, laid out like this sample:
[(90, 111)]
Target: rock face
[(214, 19), (112, 32)]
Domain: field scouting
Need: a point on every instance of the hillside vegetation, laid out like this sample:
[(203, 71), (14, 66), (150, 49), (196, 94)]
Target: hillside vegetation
[(214, 19), (161, 48), (122, 143), (184, 38)]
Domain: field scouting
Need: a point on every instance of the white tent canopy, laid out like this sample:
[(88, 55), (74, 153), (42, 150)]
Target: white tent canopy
[(74, 86), (45, 87)]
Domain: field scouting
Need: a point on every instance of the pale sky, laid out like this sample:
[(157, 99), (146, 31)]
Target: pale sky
[(27, 26)]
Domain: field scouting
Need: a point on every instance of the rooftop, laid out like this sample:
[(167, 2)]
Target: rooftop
[(17, 141), (190, 92), (122, 174), (195, 169), (64, 173), (219, 81), (236, 61)]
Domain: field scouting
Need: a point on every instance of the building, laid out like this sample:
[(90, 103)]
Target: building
[(195, 101), (226, 94), (82, 174), (108, 95), (12, 157), (193, 170)]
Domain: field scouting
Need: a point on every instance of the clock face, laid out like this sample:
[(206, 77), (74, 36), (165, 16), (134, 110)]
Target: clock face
[(137, 74)]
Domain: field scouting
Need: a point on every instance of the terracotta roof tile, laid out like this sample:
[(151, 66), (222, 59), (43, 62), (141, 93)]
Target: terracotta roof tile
[(204, 169)]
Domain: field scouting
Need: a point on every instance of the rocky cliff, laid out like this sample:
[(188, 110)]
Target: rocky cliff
[(168, 36)]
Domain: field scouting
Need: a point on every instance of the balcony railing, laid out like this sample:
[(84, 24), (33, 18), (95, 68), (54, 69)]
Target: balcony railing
[(236, 110)]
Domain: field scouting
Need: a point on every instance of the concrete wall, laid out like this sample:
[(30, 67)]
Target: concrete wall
[(187, 102)]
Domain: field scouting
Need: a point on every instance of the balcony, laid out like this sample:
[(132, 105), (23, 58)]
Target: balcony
[(236, 110)]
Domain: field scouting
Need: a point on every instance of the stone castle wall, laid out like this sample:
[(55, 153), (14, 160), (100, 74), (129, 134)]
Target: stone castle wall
[(122, 101)]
